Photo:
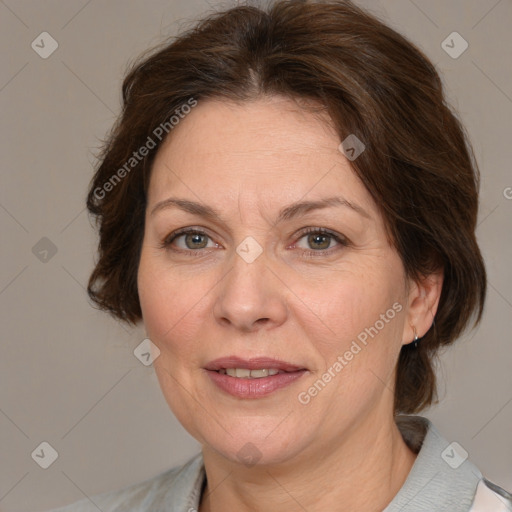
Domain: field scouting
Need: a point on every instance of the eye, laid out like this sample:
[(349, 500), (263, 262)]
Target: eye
[(188, 240), (319, 241), (313, 241)]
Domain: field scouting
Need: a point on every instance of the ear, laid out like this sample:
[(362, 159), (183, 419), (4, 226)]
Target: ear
[(423, 300)]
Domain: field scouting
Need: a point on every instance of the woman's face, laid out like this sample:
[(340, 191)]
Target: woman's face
[(287, 259)]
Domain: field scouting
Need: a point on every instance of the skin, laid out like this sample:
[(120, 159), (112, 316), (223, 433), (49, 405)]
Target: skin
[(342, 451)]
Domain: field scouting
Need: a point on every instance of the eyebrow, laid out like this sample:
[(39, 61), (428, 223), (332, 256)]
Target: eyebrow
[(289, 212)]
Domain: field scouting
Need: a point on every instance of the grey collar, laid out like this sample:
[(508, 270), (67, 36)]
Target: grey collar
[(442, 478)]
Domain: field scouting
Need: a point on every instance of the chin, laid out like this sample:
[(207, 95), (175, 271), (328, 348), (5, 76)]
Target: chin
[(249, 445)]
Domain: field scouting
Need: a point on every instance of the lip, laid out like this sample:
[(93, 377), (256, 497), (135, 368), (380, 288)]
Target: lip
[(255, 363), (253, 388)]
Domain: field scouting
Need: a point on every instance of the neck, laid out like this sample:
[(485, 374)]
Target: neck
[(363, 471)]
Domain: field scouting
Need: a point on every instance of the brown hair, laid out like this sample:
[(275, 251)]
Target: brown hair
[(417, 165)]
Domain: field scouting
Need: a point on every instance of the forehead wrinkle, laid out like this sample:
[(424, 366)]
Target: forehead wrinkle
[(261, 208)]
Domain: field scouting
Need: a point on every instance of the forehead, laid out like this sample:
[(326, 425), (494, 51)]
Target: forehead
[(266, 150)]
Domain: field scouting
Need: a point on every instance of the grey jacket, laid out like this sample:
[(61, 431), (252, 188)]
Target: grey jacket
[(441, 479)]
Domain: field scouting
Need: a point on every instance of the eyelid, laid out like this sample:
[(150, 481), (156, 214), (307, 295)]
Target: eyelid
[(338, 237), (167, 241)]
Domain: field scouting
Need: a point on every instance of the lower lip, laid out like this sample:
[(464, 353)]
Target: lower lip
[(254, 388)]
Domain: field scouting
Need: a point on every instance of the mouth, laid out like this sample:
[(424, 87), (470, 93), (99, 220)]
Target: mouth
[(245, 373), (257, 367), (252, 378)]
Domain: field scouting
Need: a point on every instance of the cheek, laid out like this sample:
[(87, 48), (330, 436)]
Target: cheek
[(358, 357), (173, 303), (347, 302), (170, 304), (361, 322)]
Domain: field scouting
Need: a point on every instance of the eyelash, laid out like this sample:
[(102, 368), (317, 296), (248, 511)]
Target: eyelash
[(342, 241)]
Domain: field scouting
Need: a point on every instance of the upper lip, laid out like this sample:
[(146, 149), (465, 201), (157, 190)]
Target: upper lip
[(255, 363)]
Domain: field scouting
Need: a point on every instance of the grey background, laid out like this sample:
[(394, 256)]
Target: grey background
[(68, 373)]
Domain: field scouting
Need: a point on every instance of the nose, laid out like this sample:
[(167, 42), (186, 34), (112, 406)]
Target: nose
[(250, 296)]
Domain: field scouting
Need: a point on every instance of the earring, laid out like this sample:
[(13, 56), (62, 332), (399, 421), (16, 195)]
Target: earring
[(415, 338)]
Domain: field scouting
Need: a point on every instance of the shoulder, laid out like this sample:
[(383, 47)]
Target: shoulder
[(490, 497), (178, 486), (442, 477)]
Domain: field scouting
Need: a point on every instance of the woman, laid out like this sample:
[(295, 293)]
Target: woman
[(289, 206)]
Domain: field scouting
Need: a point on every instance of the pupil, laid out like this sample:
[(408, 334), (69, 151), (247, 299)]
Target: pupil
[(195, 240), (318, 239)]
